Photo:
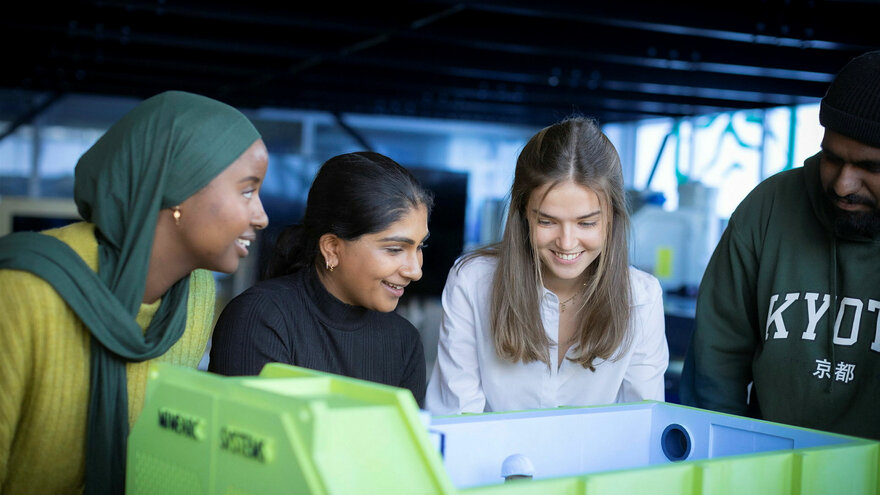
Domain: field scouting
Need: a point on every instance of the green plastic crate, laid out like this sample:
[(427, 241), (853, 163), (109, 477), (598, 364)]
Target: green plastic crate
[(294, 430)]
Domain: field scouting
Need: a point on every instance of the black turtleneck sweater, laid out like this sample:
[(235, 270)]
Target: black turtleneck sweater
[(294, 320)]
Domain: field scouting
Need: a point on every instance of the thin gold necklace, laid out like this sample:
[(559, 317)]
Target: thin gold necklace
[(563, 303)]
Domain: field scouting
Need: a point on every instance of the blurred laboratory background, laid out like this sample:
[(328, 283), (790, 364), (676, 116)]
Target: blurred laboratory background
[(703, 100)]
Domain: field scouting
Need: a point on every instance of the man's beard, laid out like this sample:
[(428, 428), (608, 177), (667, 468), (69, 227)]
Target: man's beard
[(855, 223)]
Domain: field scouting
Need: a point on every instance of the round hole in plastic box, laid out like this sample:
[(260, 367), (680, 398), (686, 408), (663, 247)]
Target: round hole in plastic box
[(675, 442)]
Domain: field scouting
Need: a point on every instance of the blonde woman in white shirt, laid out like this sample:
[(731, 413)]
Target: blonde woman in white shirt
[(553, 315)]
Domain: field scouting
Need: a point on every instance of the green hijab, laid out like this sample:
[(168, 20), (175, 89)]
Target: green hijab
[(156, 156)]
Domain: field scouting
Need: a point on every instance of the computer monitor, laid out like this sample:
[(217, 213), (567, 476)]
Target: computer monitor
[(19, 213)]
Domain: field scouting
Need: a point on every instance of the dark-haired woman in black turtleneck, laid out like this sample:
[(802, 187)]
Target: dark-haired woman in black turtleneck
[(336, 279)]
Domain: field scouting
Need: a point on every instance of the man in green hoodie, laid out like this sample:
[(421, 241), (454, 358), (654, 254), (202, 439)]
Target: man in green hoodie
[(788, 315)]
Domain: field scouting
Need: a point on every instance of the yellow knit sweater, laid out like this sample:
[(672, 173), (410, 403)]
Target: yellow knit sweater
[(44, 372)]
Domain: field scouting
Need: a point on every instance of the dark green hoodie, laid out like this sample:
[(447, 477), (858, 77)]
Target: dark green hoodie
[(793, 308)]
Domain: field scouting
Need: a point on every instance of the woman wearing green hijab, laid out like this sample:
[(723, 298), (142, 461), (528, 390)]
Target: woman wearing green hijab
[(170, 191)]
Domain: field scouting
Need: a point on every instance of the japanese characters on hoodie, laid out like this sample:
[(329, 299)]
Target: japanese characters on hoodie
[(792, 307)]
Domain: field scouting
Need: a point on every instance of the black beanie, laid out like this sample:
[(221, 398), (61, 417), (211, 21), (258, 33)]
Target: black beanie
[(852, 104)]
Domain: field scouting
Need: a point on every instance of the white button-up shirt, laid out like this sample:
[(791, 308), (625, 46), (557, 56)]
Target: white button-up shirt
[(470, 377)]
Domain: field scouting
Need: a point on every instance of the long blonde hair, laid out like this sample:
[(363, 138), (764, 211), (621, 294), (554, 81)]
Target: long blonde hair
[(575, 150)]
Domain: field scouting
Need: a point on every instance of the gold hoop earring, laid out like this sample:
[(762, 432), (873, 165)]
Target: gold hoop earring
[(330, 267), (175, 212)]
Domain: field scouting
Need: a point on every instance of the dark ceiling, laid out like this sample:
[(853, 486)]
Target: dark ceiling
[(524, 62)]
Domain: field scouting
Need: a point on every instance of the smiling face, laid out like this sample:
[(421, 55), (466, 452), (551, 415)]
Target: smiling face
[(850, 174), (568, 231), (218, 223), (373, 270)]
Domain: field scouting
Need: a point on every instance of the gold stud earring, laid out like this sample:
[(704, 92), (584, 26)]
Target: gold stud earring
[(175, 212), (330, 267)]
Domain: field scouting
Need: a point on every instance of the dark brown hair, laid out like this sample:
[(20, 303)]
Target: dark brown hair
[(352, 195)]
